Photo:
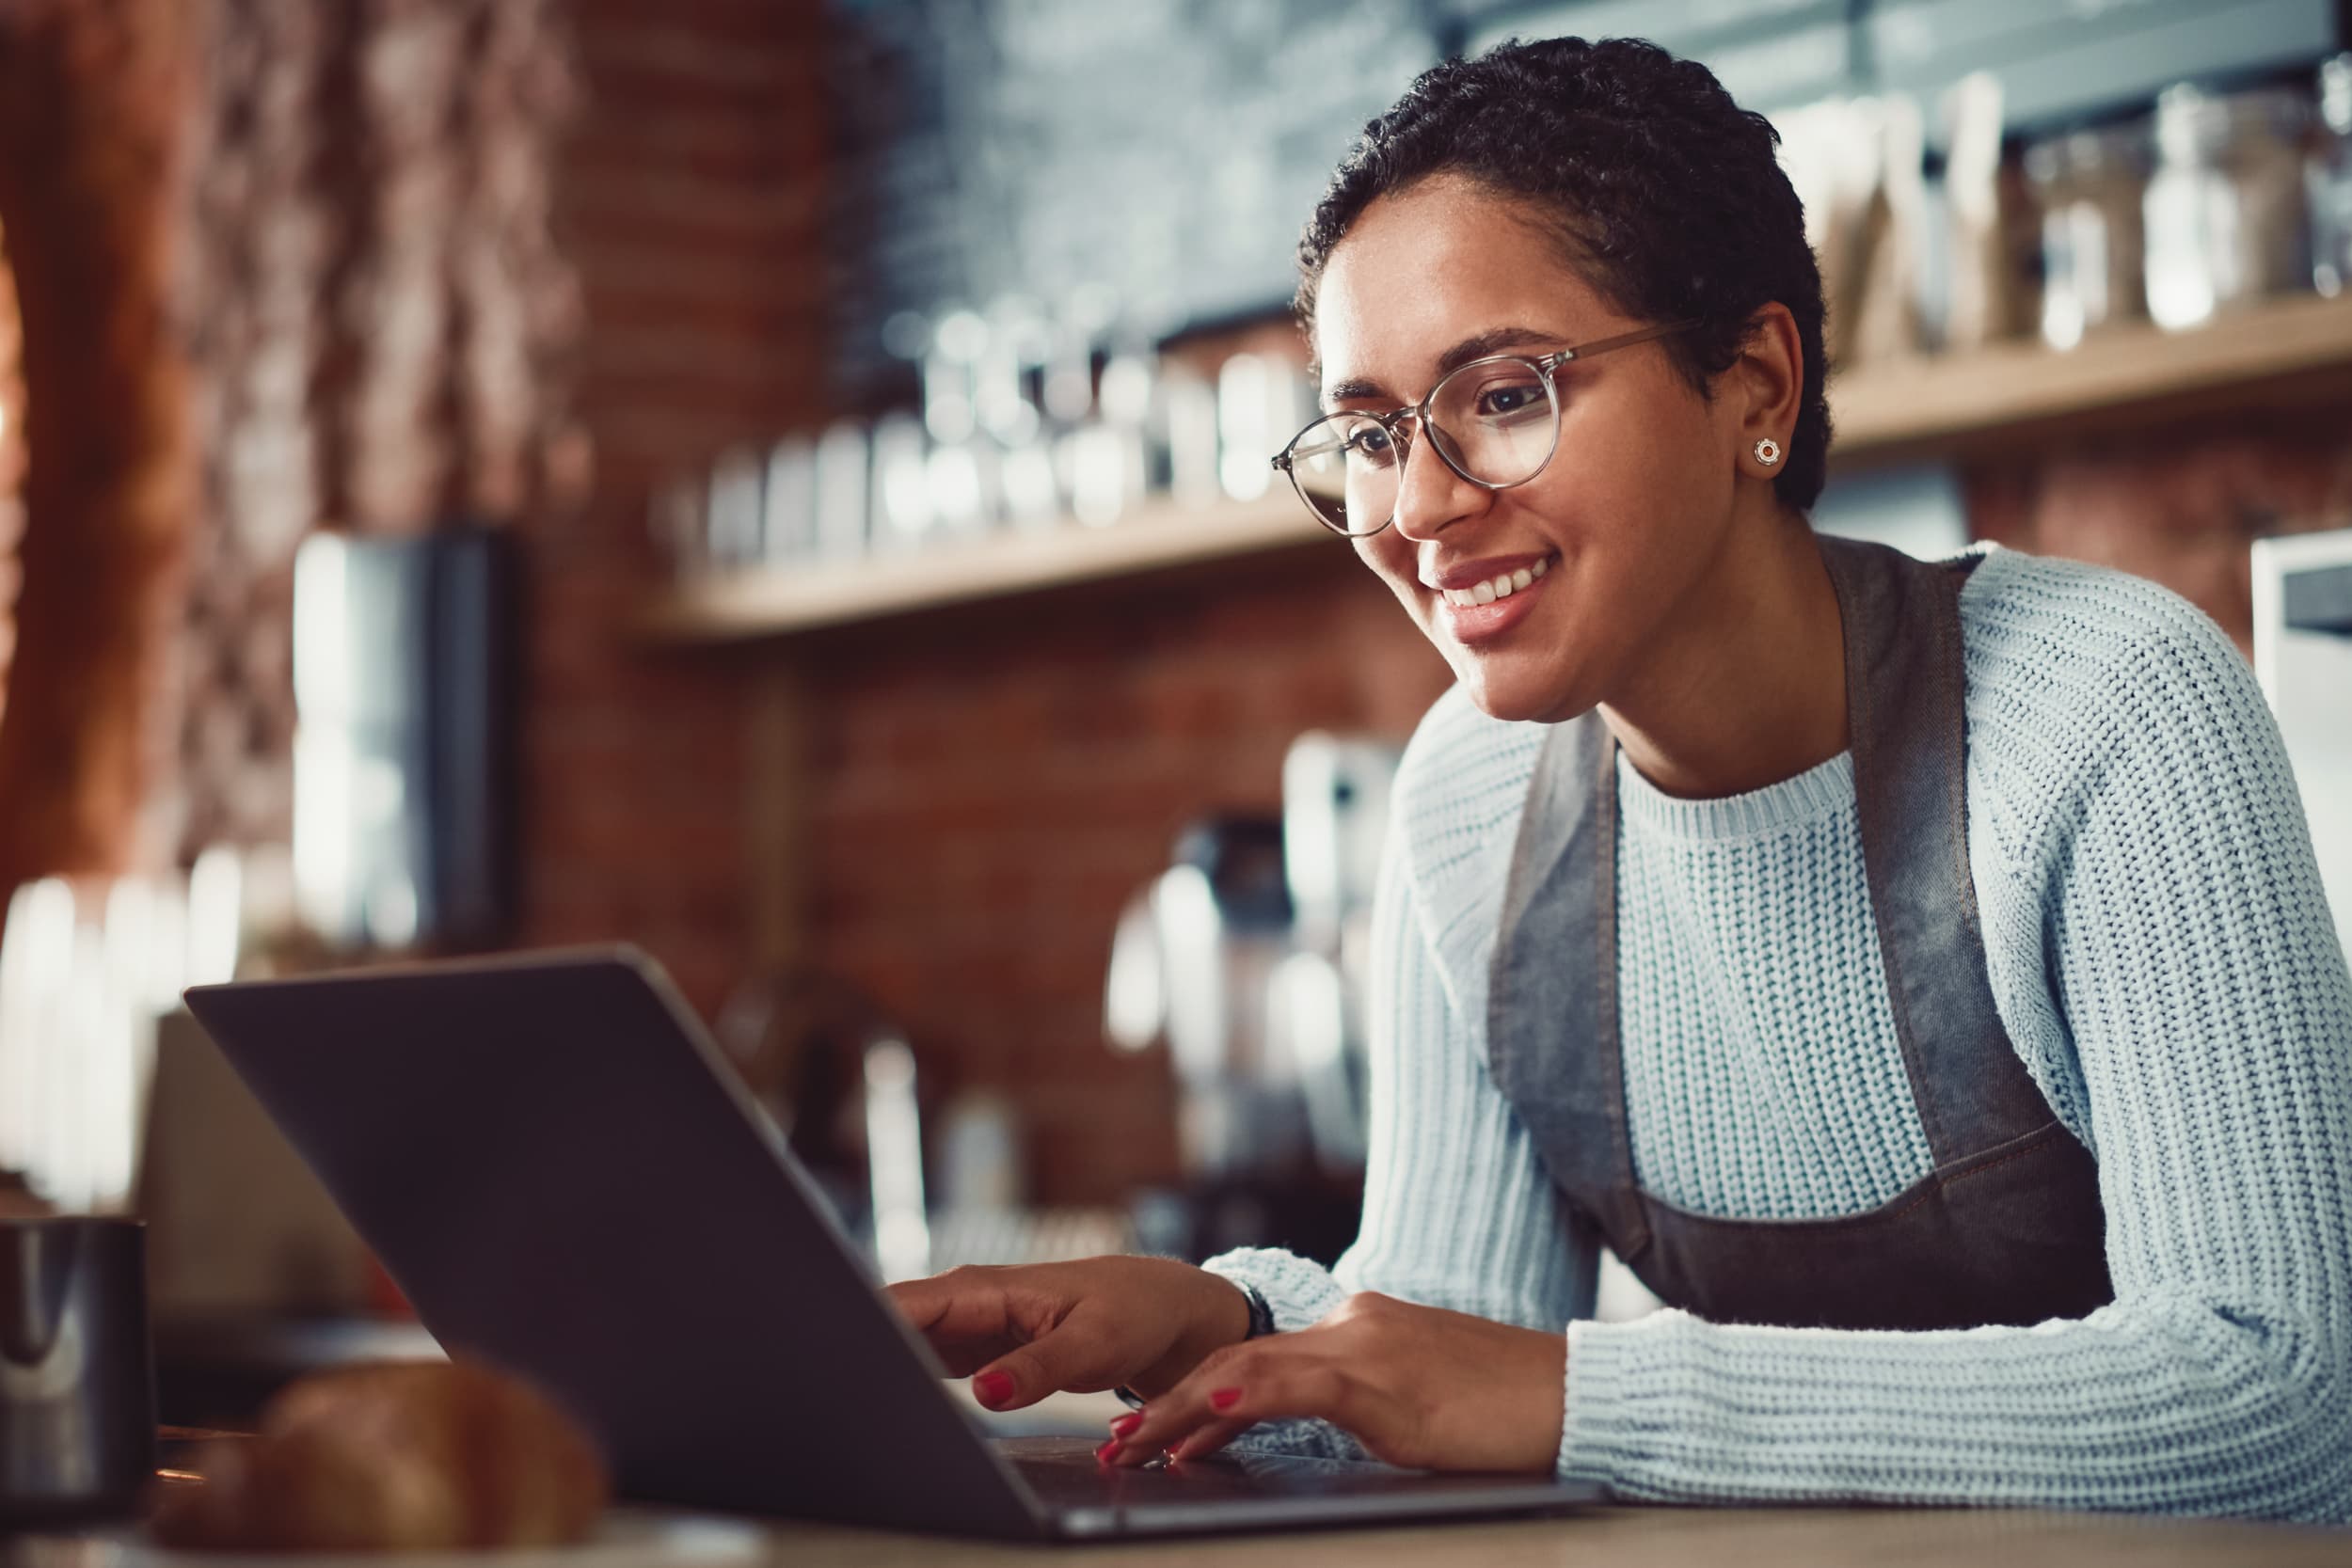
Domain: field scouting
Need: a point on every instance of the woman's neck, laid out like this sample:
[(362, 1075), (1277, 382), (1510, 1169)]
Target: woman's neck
[(1750, 687)]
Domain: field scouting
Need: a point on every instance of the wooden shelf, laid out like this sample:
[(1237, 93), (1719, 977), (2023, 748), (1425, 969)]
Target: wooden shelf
[(1913, 409), (1159, 535), (1940, 403)]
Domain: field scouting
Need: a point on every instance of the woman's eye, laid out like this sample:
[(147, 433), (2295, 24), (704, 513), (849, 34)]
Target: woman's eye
[(1372, 443), (1506, 398)]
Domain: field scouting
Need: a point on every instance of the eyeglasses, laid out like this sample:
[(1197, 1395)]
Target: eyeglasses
[(1495, 421)]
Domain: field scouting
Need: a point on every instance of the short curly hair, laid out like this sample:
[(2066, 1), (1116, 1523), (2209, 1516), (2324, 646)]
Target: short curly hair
[(1668, 195)]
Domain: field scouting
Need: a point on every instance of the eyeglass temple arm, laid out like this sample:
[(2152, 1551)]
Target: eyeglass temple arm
[(1623, 340)]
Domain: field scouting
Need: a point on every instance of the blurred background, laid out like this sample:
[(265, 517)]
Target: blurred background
[(784, 484)]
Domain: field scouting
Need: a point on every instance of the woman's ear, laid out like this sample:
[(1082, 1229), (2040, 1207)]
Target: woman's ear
[(1764, 388)]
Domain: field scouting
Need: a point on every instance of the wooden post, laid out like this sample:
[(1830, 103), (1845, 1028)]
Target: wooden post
[(92, 103)]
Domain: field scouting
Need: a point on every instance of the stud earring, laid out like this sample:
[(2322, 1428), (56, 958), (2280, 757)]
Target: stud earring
[(1767, 451)]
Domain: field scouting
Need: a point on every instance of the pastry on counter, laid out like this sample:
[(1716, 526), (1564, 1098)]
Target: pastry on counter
[(395, 1456)]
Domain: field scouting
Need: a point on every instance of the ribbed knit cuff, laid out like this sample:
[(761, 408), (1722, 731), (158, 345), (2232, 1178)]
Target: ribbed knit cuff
[(1297, 1291), (1605, 1433)]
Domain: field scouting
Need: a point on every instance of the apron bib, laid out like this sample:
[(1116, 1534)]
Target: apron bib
[(2007, 1226)]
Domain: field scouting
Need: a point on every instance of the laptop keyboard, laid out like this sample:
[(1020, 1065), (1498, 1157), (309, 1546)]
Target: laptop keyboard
[(1065, 1474)]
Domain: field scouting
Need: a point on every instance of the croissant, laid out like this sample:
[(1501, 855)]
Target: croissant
[(395, 1456)]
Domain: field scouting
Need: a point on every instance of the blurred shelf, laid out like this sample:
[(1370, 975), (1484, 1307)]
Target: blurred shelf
[(1154, 538), (1914, 409), (1928, 405)]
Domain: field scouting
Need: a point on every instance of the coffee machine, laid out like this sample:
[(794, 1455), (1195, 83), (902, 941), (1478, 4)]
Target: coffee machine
[(1244, 959)]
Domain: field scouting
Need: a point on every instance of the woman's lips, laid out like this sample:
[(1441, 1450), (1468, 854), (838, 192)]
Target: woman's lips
[(1480, 623)]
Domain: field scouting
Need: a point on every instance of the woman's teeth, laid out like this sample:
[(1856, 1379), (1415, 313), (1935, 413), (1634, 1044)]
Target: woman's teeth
[(1500, 588)]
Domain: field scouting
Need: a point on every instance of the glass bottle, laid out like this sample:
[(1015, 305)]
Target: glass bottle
[(2087, 184), (2226, 209), (2327, 175)]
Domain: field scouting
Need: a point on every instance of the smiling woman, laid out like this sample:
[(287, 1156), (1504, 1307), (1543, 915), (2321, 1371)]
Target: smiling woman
[(1916, 971)]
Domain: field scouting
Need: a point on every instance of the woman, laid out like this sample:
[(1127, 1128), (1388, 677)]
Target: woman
[(1916, 971)]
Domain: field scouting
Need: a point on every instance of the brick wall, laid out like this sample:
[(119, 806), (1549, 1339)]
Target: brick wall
[(382, 327), (512, 260), (687, 201), (990, 787), (2178, 502)]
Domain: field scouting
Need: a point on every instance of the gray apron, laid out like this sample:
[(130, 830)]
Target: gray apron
[(2007, 1226)]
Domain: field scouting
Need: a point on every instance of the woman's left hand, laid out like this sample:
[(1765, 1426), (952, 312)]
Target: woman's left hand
[(1417, 1385)]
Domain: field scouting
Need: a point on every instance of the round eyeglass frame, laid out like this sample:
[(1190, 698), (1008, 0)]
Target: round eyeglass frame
[(1544, 366)]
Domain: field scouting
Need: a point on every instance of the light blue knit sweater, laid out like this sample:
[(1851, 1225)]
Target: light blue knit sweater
[(2163, 958)]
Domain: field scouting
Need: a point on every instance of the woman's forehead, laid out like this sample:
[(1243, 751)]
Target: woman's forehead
[(1427, 271)]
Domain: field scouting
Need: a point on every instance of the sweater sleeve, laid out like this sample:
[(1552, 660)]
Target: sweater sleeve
[(2170, 936)]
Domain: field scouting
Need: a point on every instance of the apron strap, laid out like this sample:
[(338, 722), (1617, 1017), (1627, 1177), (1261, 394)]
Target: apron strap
[(1555, 981), (1907, 718)]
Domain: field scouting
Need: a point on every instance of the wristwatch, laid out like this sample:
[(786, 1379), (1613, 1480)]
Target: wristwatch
[(1260, 1324), (1261, 1315)]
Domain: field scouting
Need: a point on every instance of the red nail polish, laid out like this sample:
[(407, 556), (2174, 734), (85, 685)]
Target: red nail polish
[(1125, 1426), (1224, 1399), (1102, 1454), (993, 1388)]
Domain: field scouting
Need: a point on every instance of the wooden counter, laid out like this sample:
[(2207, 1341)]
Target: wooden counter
[(1614, 1537), (1651, 1538)]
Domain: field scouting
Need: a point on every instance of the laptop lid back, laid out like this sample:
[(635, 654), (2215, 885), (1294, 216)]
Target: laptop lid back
[(562, 1177)]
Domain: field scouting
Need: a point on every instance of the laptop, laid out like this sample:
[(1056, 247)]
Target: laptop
[(556, 1164)]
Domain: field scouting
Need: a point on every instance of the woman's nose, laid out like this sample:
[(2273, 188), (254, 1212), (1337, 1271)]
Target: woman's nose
[(1430, 494)]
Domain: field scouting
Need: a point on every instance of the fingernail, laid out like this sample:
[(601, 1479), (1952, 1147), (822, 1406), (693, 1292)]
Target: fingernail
[(993, 1388), (1102, 1454), (1125, 1426), (1224, 1399)]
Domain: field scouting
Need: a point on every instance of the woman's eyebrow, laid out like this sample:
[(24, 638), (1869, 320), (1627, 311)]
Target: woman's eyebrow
[(1494, 341)]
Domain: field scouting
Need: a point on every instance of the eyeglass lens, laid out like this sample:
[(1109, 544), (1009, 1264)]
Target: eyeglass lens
[(1494, 420)]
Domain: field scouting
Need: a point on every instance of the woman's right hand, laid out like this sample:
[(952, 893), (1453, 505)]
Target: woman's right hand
[(1024, 1332)]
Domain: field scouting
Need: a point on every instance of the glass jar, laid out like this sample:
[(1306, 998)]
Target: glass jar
[(2226, 215), (2088, 185), (2328, 178)]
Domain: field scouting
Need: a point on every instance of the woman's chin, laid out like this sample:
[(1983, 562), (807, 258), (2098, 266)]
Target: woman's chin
[(1540, 674), (1516, 697)]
